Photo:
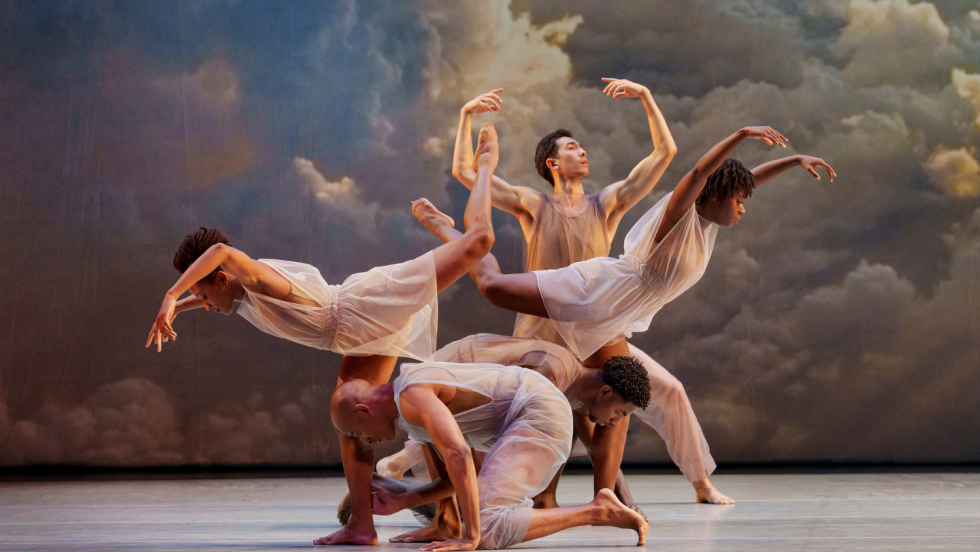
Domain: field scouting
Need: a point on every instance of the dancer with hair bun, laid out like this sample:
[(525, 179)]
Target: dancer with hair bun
[(372, 318)]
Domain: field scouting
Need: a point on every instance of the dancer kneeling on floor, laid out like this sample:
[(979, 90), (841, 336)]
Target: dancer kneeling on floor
[(517, 416)]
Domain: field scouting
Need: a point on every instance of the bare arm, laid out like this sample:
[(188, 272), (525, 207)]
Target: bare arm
[(253, 275), (421, 407), (516, 200), (690, 186), (185, 304), (767, 171), (622, 196)]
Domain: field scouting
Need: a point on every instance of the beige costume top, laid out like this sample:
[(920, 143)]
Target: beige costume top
[(390, 310), (600, 301), (559, 238)]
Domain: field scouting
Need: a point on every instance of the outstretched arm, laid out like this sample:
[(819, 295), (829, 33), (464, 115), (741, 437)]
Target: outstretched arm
[(187, 303), (690, 186), (253, 275), (516, 200), (767, 171), (622, 196), (421, 407)]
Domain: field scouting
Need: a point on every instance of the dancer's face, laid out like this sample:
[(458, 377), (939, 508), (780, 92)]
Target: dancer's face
[(216, 292), (571, 162), (608, 407), (725, 212)]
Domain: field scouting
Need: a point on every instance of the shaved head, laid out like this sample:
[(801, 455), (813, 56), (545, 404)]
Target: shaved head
[(362, 411)]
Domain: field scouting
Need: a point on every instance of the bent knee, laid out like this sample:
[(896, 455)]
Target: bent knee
[(482, 239)]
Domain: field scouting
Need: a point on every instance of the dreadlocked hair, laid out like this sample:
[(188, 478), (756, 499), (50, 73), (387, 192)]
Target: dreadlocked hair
[(195, 244), (729, 179), (547, 148), (627, 376)]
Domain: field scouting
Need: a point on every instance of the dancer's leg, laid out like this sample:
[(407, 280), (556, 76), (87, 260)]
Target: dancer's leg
[(357, 458), (604, 510), (515, 292), (584, 429), (394, 466), (548, 497), (446, 524), (455, 259), (671, 414)]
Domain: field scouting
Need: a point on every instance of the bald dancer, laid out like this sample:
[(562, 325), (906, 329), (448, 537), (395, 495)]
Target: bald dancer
[(516, 416), (568, 226)]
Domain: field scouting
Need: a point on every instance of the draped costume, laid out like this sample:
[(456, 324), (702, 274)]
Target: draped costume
[(390, 310), (526, 430), (602, 300)]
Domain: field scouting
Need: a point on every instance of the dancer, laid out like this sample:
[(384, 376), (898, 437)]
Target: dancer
[(372, 318), (568, 226), (517, 416), (595, 304)]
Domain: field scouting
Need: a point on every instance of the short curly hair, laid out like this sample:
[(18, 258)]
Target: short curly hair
[(195, 244), (728, 180), (547, 148), (627, 376)]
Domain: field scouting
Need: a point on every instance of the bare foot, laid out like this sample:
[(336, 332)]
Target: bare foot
[(546, 500), (705, 493), (344, 510), (634, 506), (434, 531), (487, 148), (395, 465), (618, 515), (433, 219), (348, 535)]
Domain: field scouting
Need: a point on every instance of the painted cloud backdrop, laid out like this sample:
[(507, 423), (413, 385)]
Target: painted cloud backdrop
[(838, 321)]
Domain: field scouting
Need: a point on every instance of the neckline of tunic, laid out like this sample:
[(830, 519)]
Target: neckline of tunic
[(586, 203)]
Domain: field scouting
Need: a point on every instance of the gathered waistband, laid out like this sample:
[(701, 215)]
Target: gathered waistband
[(647, 274), (331, 318)]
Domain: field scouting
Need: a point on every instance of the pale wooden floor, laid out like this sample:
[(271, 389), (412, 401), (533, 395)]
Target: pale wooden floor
[(773, 512)]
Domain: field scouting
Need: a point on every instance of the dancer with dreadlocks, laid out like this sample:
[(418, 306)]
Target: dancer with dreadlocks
[(595, 305), (372, 318)]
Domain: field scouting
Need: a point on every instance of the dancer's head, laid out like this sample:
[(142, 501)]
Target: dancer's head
[(214, 289), (359, 410), (626, 388), (560, 153), (723, 197)]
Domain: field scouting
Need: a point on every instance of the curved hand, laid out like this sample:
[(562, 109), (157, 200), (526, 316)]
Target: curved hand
[(161, 330), (448, 545), (766, 134), (811, 163), (484, 102), (385, 502), (622, 88)]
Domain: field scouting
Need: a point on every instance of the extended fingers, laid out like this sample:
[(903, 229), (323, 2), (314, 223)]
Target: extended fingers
[(814, 172)]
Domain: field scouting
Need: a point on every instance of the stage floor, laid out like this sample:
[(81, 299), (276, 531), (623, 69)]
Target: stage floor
[(865, 512)]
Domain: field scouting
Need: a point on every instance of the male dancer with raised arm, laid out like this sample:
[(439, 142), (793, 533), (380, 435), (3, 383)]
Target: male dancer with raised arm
[(516, 416), (568, 226)]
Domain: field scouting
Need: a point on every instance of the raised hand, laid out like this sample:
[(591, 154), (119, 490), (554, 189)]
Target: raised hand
[(384, 502), (487, 149), (449, 545), (811, 163), (766, 134), (161, 330), (484, 102), (622, 88)]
